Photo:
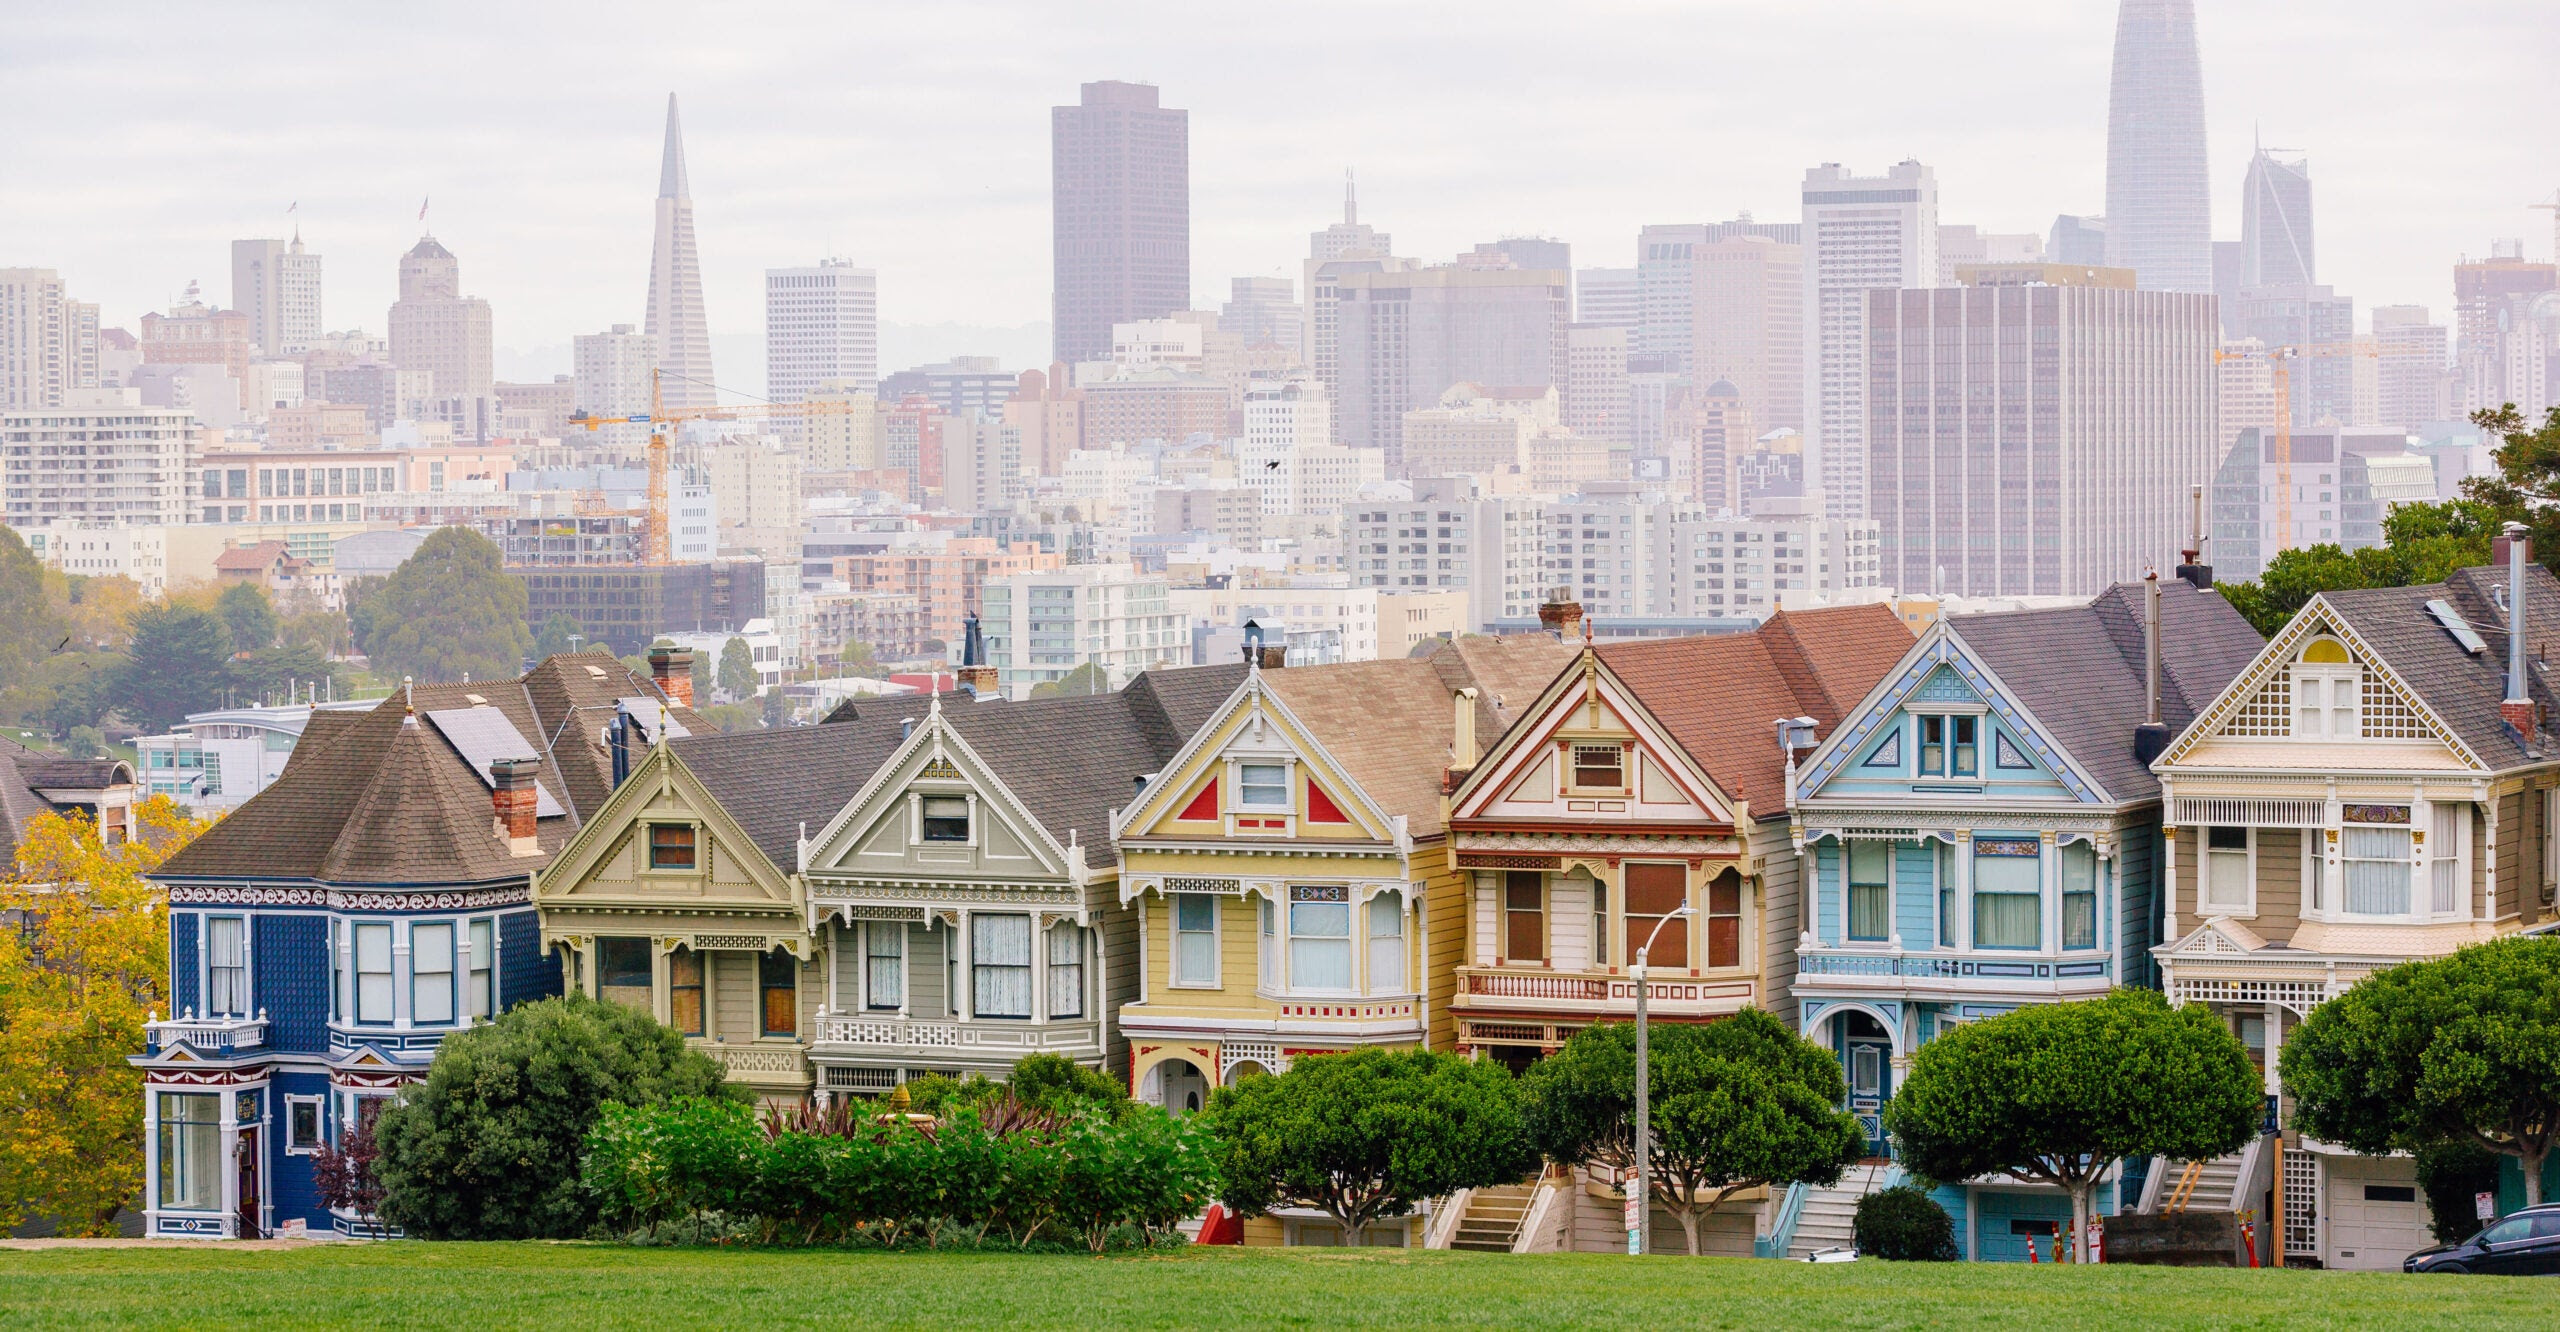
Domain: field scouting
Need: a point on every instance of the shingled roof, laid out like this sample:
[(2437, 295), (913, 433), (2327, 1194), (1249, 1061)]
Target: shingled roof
[(2462, 688), (1719, 695), (26, 774), (2078, 670), (382, 797)]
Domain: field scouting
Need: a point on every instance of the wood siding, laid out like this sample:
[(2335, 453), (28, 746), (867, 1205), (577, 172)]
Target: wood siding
[(1780, 888)]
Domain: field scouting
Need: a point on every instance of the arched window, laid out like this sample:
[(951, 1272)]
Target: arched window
[(2328, 693)]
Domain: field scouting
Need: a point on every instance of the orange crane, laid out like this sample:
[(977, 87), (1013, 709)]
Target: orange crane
[(2280, 374), (662, 422)]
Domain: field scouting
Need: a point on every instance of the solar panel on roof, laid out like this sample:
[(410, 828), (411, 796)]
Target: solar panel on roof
[(483, 736), (2457, 626), (650, 713)]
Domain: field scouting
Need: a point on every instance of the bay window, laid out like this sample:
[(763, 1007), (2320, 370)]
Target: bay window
[(2373, 860), (227, 957), (1386, 944), (623, 973), (484, 968), (2225, 873), (431, 972), (1524, 919), (1066, 971), (2444, 866), (1000, 965), (1870, 890), (1319, 937), (373, 973), (2079, 896), (191, 1151), (1653, 892), (1946, 895), (778, 977), (2008, 892), (1267, 961), (684, 991), (1599, 922), (1195, 939), (1724, 920), (884, 954)]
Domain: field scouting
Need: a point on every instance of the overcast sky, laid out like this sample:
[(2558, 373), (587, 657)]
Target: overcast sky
[(137, 140)]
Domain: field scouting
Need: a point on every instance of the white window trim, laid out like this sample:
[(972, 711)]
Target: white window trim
[(2204, 868), (248, 964), (1288, 783), (1356, 938), (1173, 936), (1403, 938), (915, 818), (470, 963), (317, 1102), (2332, 672), (1949, 712), (864, 932)]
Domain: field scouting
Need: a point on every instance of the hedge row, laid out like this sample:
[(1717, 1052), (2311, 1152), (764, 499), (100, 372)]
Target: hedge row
[(856, 1174)]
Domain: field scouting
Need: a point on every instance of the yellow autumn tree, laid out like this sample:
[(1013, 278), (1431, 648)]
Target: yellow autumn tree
[(88, 959)]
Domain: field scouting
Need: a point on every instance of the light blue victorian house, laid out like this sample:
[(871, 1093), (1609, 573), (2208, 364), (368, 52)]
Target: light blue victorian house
[(1984, 832)]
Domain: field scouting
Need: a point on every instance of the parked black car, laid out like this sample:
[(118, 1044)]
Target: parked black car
[(2523, 1243)]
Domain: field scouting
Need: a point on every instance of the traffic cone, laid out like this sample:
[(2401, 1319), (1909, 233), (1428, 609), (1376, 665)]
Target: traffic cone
[(2031, 1249), (2249, 1236)]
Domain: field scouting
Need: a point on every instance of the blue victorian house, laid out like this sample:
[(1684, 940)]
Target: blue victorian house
[(327, 935), (1984, 832)]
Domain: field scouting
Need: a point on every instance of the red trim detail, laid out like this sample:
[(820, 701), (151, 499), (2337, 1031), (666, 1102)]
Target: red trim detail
[(1320, 807), (1203, 807)]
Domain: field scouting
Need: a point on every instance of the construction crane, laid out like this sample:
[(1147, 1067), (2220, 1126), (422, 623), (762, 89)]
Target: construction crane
[(662, 422), (2280, 452), (2551, 206)]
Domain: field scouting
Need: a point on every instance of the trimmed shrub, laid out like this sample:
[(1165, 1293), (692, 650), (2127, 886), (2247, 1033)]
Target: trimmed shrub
[(1905, 1224)]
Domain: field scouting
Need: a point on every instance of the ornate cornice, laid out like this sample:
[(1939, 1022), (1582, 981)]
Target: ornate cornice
[(1601, 844), (347, 899)]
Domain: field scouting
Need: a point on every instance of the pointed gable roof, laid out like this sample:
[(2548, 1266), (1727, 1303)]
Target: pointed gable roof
[(1718, 695), (26, 774)]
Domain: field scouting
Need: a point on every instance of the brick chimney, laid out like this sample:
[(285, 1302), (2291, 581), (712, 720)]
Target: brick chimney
[(512, 803), (975, 675), (1561, 614), (1274, 656), (672, 669)]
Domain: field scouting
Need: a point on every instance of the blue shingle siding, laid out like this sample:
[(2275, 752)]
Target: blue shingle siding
[(184, 995), (2136, 867), (293, 1191), (1915, 893), (524, 973), (292, 953)]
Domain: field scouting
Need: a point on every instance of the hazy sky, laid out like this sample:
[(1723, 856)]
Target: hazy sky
[(137, 140)]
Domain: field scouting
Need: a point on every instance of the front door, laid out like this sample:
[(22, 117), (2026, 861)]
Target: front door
[(246, 1162), (1870, 1084)]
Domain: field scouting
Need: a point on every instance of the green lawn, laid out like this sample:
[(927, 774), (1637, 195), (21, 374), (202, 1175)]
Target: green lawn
[(582, 1285)]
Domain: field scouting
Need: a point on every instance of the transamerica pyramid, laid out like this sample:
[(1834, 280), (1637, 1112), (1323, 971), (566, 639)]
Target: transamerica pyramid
[(675, 284)]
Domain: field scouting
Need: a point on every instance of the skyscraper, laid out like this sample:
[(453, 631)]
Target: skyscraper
[(435, 328), (277, 285), (1860, 233), (675, 284), (1748, 325), (2275, 223), (821, 326), (48, 342), (1120, 195), (2159, 204), (1408, 337)]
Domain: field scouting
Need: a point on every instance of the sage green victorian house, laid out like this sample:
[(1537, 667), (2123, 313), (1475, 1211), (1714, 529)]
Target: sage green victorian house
[(678, 896), (967, 893)]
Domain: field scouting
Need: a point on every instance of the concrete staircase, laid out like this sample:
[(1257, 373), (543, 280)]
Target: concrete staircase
[(2215, 1185), (1829, 1217), (1491, 1222)]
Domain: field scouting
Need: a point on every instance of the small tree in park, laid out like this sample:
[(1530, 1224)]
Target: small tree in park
[(2463, 1048), (1737, 1104), (2059, 1093), (1368, 1134), (487, 1146)]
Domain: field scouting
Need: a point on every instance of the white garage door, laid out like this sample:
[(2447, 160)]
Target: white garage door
[(2377, 1216)]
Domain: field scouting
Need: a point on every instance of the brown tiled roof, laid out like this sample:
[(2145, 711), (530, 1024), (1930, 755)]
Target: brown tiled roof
[(249, 559), (373, 798), (26, 774), (1719, 695), (1390, 723)]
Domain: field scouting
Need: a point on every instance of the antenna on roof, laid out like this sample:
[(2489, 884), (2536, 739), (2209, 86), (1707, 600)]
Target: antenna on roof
[(409, 700)]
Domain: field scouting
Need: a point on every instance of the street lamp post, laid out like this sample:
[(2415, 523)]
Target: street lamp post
[(1640, 1201)]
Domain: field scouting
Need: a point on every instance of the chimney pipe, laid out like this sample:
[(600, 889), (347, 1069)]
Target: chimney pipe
[(974, 675), (671, 669), (617, 736), (2192, 568), (2152, 736), (2517, 708), (512, 804)]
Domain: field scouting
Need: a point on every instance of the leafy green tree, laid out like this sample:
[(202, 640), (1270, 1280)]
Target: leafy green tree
[(85, 742), (2059, 1093), (1089, 678), (737, 677), (449, 611), (2528, 477), (62, 691), (1055, 1082), (556, 633), (857, 658), (283, 670), (487, 1146), (2422, 543), (1736, 1104), (30, 628), (2463, 1048), (1368, 1134), (252, 618), (179, 662)]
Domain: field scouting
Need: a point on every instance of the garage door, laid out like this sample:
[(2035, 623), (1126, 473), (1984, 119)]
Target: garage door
[(2377, 1216)]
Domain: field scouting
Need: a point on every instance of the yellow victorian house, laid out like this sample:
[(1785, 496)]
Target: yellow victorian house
[(1290, 868)]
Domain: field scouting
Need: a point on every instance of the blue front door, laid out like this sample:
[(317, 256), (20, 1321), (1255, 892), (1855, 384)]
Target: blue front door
[(1869, 1061)]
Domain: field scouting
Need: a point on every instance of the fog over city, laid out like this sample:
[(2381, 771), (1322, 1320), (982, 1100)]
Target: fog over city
[(914, 139)]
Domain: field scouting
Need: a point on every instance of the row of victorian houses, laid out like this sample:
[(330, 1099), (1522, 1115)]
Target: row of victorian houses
[(1218, 870)]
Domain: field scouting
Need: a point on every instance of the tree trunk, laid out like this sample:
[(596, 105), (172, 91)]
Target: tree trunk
[(2080, 1219), (1688, 1226), (2531, 1160)]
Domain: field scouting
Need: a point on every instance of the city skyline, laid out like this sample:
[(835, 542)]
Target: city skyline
[(938, 178)]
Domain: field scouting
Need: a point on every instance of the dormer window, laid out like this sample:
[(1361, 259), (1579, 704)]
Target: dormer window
[(1262, 785), (2328, 693), (1949, 747), (671, 846), (946, 819), (1599, 767)]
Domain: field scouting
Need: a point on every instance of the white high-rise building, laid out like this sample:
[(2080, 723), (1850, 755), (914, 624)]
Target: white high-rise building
[(48, 342), (277, 284), (821, 326), (675, 282), (612, 371), (1609, 297), (2159, 203), (99, 458), (1041, 626), (1596, 400), (1281, 418), (1447, 534), (1860, 233)]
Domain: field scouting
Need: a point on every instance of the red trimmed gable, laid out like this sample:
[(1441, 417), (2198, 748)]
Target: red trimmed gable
[(1320, 807), (1204, 806)]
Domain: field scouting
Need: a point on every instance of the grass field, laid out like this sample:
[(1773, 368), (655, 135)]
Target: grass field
[(581, 1285)]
